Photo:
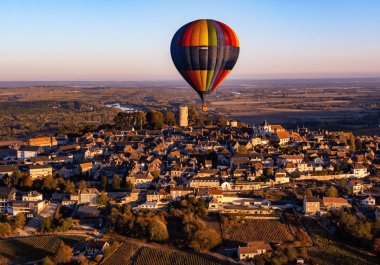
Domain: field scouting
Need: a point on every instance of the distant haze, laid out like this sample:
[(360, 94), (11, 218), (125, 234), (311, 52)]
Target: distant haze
[(182, 83), (129, 40)]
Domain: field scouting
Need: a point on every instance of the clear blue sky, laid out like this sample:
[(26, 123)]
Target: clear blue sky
[(129, 40)]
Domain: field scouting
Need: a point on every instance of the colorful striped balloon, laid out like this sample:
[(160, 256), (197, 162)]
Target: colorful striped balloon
[(204, 52)]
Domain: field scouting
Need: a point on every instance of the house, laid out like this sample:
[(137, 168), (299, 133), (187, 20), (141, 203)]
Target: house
[(282, 137), (152, 196), (149, 205), (177, 192), (88, 195), (367, 200), (40, 171), (88, 214), (253, 249), (202, 182), (282, 159), (29, 208), (6, 194), (26, 151), (95, 247), (141, 180), (280, 177), (311, 205), (136, 195), (85, 168), (359, 171), (217, 195), (32, 196), (356, 186), (335, 203), (7, 170), (45, 142)]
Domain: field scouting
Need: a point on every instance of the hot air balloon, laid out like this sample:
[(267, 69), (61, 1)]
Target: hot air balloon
[(204, 52)]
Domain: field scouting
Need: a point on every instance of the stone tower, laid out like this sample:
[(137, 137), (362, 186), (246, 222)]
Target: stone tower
[(183, 117)]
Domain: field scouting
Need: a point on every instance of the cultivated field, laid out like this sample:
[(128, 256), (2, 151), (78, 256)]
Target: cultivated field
[(33, 248), (150, 256), (258, 230), (123, 255), (331, 251)]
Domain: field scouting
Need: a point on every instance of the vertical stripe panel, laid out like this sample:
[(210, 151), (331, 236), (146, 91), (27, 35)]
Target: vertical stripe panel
[(203, 36)]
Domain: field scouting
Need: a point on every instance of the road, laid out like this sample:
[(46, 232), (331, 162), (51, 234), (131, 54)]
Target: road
[(34, 224)]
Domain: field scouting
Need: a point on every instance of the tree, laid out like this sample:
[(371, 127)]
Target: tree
[(63, 254), (5, 229), (129, 186), (169, 118), (17, 177), (193, 115), (82, 260), (158, 231), (68, 186), (47, 261), (140, 118), (347, 191), (204, 240), (296, 174), (45, 225), (221, 122), (268, 173), (7, 180), (376, 245), (155, 119), (358, 145), (122, 119), (351, 142), (155, 175), (242, 149), (331, 192), (104, 181), (116, 182), (308, 193), (103, 199), (20, 220), (82, 185), (49, 183), (27, 182)]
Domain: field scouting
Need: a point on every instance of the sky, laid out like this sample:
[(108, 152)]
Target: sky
[(78, 40)]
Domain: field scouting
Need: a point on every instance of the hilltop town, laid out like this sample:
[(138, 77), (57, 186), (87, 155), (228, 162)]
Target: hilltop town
[(216, 194)]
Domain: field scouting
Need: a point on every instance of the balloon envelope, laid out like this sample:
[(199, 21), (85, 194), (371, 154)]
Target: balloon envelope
[(204, 52)]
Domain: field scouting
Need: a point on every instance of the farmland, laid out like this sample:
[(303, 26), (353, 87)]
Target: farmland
[(122, 255), (33, 248), (258, 230), (150, 256), (331, 250)]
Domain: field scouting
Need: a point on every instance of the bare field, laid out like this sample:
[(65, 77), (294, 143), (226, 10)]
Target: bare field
[(249, 101)]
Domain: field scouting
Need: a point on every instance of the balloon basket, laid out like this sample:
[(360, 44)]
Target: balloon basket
[(204, 107)]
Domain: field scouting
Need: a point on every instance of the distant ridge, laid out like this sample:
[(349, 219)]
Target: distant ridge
[(173, 83)]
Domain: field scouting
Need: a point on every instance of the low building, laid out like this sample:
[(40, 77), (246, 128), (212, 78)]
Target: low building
[(95, 247), (204, 182), (217, 195), (334, 203), (6, 194), (151, 206), (311, 205), (356, 186), (253, 249), (177, 192), (367, 200), (40, 171), (26, 151)]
